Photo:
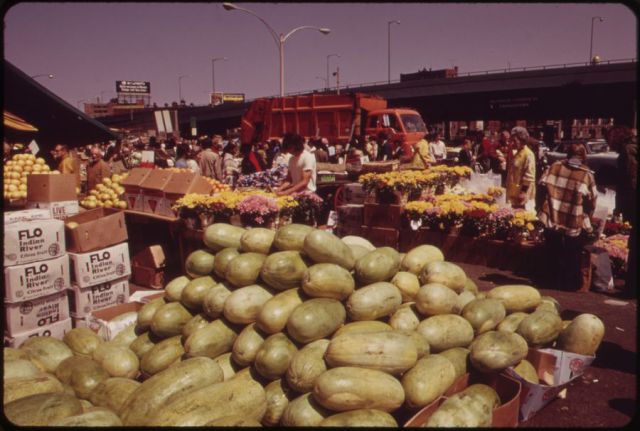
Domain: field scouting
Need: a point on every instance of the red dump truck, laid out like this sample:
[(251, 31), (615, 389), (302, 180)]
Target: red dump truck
[(332, 116)]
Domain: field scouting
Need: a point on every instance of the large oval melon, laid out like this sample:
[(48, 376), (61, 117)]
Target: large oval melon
[(447, 273), (193, 294), (291, 237), (257, 240), (328, 280), (325, 247), (173, 289), (222, 235), (199, 263), (283, 270), (244, 269), (359, 241), (419, 256), (223, 257), (379, 265)]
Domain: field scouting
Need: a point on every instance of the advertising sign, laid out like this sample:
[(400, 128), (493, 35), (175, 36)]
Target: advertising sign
[(218, 98), (133, 87)]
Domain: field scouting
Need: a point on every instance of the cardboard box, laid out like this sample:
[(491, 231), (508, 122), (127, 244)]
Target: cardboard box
[(97, 228), (556, 369), (147, 276), (354, 194), (26, 215), (179, 185), (36, 313), (380, 215), (144, 295), (33, 241), (350, 215), (151, 257), (51, 188), (109, 322), (132, 190), (36, 279), (59, 210), (381, 236), (504, 416), (98, 297), (56, 330), (100, 266), (153, 190)]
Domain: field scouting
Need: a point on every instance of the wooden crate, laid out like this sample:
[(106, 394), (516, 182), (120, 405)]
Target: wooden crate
[(381, 237), (379, 215), (342, 231), (388, 166)]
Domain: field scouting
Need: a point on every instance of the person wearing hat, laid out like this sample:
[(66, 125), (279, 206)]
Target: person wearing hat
[(521, 170)]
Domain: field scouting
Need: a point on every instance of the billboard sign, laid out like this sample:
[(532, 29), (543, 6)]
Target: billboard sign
[(218, 98), (133, 87)]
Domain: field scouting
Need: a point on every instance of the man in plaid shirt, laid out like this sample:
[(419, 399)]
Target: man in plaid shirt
[(569, 200)]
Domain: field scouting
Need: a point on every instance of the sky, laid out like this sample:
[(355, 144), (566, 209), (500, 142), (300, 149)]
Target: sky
[(88, 46)]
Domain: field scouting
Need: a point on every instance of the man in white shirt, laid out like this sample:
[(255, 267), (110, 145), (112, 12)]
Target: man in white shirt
[(437, 148), (302, 167)]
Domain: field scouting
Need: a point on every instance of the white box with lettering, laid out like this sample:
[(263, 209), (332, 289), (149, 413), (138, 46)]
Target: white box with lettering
[(56, 330), (100, 266), (36, 313), (58, 210), (32, 241), (36, 279), (84, 300), (26, 215)]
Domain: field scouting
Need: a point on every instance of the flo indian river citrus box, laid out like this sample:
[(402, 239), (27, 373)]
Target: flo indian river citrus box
[(100, 266), (36, 313), (36, 279), (55, 330), (98, 297), (31, 241)]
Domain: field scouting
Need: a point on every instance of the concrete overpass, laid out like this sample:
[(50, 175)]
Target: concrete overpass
[(561, 92)]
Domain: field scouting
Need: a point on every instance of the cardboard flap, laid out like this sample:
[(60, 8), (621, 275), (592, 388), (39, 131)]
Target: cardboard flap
[(187, 182), (135, 177), (150, 257), (157, 180), (51, 188), (97, 228)]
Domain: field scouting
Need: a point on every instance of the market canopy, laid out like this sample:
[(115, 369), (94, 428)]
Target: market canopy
[(16, 123), (55, 120)]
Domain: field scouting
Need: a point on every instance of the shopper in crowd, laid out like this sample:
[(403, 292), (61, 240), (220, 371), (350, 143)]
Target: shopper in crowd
[(521, 171), (437, 148), (230, 164), (97, 169), (273, 150), (385, 146), (250, 161), (185, 159), (371, 148), (541, 166), (622, 140), (569, 201), (261, 152), (485, 153), (466, 157), (114, 159), (210, 160), (302, 167), (282, 158), (321, 152), (500, 160), (354, 154), (422, 157), (67, 163)]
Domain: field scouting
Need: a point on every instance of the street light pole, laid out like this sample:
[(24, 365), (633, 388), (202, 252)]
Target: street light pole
[(213, 72), (389, 48), (328, 57), (593, 18), (279, 39), (180, 88)]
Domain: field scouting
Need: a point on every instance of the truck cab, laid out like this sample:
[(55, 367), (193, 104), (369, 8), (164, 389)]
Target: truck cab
[(399, 124)]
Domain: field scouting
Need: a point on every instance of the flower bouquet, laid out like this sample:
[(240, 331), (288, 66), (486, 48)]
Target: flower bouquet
[(307, 209), (258, 210), (616, 247), (189, 209)]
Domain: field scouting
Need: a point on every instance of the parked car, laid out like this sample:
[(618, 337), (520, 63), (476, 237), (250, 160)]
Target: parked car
[(600, 159)]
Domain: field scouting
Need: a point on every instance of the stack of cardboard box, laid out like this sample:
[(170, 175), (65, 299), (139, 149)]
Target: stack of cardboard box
[(148, 267), (36, 276), (55, 193), (100, 265)]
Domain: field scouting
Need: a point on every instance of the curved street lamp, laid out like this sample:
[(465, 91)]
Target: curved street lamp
[(389, 48), (180, 87), (48, 75), (593, 19), (328, 57), (279, 39), (213, 73)]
